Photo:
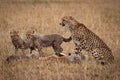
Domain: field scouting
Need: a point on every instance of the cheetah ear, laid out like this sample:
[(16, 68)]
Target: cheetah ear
[(10, 32), (76, 26), (33, 32), (16, 32)]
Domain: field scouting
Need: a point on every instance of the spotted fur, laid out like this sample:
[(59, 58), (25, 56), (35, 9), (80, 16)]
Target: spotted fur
[(85, 39)]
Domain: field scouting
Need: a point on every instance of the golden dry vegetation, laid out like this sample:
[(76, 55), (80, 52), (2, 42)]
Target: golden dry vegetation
[(100, 16)]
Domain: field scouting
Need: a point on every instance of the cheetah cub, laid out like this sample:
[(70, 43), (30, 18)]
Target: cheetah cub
[(52, 40), (20, 43)]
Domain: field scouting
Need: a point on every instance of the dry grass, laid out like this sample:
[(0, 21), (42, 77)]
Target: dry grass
[(102, 17)]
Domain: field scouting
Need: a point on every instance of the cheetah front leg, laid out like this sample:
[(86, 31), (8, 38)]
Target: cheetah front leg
[(57, 48), (39, 50), (16, 50), (80, 42), (79, 45), (77, 50), (38, 44)]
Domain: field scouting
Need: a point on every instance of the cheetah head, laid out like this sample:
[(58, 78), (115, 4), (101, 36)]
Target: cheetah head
[(69, 21), (29, 33), (14, 33)]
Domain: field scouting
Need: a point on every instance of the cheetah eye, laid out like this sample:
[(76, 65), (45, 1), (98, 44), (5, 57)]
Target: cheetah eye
[(69, 54), (76, 52)]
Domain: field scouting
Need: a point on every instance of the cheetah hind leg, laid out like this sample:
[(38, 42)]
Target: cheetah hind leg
[(102, 55)]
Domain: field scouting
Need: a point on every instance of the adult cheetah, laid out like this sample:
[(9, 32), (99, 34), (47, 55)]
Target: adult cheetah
[(85, 39)]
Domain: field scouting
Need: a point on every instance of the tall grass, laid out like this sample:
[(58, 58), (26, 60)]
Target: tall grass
[(102, 17)]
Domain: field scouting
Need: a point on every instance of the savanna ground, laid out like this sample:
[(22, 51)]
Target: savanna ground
[(100, 16)]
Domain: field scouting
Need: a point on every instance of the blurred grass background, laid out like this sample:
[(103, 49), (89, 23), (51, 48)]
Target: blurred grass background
[(44, 16)]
